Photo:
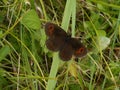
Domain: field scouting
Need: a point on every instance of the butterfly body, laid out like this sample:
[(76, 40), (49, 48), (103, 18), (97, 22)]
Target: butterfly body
[(59, 40)]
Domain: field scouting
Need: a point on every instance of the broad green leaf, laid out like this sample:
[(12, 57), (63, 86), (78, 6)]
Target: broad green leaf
[(4, 51), (100, 6), (2, 72), (101, 32), (73, 70), (103, 42), (31, 20)]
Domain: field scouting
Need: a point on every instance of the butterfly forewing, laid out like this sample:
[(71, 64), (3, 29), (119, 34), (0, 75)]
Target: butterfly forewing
[(54, 30), (49, 29), (79, 49)]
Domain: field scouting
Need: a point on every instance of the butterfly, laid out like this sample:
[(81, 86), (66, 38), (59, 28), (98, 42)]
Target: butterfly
[(59, 40)]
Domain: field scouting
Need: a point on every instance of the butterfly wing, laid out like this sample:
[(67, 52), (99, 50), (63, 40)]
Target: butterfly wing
[(56, 36), (53, 30), (54, 43), (79, 49), (66, 52)]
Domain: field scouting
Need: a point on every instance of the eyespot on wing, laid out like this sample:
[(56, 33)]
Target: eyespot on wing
[(54, 30), (79, 49), (80, 52), (49, 29)]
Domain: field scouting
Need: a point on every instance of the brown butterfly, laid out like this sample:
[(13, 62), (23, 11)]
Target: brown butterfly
[(59, 40)]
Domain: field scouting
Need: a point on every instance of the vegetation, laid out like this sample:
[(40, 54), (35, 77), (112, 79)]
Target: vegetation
[(26, 63)]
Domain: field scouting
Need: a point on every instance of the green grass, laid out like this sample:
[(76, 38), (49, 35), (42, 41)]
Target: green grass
[(26, 63)]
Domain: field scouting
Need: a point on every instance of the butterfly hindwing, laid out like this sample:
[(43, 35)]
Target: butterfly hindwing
[(54, 43), (66, 52)]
